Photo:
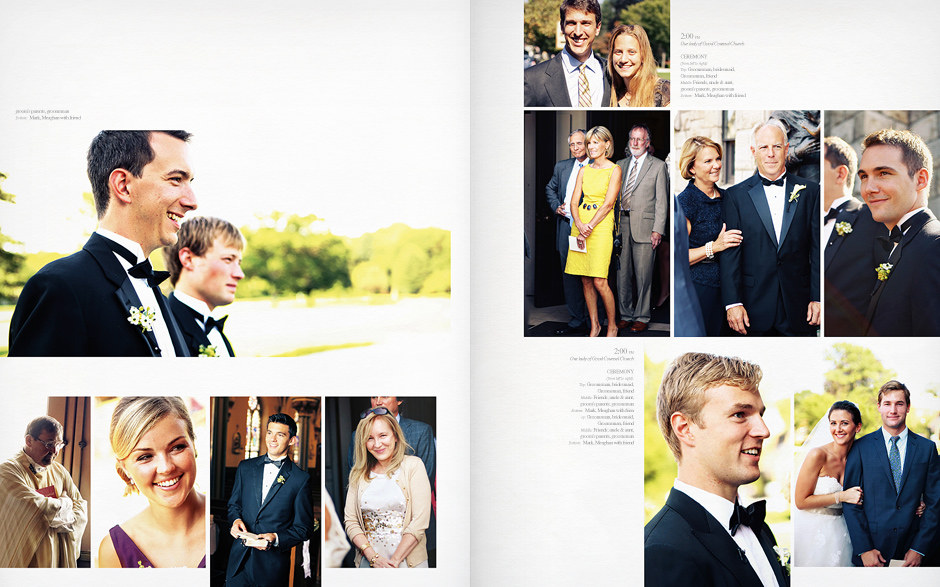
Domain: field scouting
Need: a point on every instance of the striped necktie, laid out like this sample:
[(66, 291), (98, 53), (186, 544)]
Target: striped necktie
[(584, 88), (628, 189)]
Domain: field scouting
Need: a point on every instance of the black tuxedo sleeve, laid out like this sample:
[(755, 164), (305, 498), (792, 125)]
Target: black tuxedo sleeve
[(853, 514), (814, 248), (729, 260), (928, 535), (669, 566), (48, 319), (234, 502), (302, 525), (925, 294)]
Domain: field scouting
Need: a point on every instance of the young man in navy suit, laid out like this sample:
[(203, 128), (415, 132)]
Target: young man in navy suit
[(205, 268), (105, 300), (710, 412), (770, 284), (271, 498), (896, 469)]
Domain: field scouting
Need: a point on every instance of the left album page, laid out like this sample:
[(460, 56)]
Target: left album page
[(313, 219)]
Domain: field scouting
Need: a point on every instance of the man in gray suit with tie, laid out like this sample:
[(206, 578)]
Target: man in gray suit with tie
[(574, 77), (642, 220), (559, 193)]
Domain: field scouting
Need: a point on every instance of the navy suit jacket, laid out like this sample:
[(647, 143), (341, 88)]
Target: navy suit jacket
[(545, 84), (78, 306), (287, 511), (850, 271), (685, 545), (909, 304), (759, 271), (886, 520), (193, 334)]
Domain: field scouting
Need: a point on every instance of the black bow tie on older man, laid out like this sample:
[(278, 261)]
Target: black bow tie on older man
[(751, 516), (778, 181)]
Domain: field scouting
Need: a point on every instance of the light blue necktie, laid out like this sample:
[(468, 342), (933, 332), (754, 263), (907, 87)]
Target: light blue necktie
[(894, 457)]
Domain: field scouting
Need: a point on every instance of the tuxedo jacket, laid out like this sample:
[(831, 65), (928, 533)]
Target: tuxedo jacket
[(849, 274), (761, 270), (886, 520), (649, 201), (193, 334), (287, 511), (555, 194), (909, 304), (79, 305), (685, 545), (545, 83)]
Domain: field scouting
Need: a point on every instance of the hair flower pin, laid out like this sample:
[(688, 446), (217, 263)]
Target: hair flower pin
[(144, 317), (843, 228), (884, 270), (795, 194), (208, 351)]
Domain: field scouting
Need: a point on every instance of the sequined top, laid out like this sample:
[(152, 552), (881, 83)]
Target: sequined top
[(383, 513), (706, 217)]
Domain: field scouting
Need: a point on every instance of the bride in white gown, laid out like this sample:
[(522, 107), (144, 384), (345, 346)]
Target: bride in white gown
[(821, 538)]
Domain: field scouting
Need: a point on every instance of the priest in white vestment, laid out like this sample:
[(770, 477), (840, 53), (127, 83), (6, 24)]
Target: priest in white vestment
[(42, 514)]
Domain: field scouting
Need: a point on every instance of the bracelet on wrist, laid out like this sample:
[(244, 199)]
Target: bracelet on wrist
[(372, 561), (363, 548), (710, 249)]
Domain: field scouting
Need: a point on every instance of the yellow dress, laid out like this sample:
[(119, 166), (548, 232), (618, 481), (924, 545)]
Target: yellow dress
[(600, 245)]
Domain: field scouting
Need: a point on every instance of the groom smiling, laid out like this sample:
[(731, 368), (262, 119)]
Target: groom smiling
[(894, 467)]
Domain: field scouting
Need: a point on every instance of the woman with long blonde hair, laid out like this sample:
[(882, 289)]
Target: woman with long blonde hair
[(632, 70), (388, 504)]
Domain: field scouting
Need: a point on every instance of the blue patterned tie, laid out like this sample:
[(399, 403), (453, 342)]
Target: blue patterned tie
[(894, 457)]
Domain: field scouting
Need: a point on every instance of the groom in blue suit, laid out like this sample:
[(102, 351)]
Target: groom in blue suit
[(271, 498), (896, 469)]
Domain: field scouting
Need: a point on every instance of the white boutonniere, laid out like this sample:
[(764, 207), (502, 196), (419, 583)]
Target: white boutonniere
[(884, 270), (843, 228), (783, 557), (208, 351), (281, 479), (143, 317), (795, 194)]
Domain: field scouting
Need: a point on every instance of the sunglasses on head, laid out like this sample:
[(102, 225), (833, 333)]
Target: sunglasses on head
[(379, 411)]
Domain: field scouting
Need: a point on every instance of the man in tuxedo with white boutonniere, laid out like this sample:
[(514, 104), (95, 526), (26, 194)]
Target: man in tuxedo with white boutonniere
[(105, 300), (710, 412), (205, 268)]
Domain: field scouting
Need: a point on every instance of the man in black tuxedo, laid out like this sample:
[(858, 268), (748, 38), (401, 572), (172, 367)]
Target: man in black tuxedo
[(849, 233), (205, 268), (710, 412), (574, 77), (896, 469), (559, 192), (271, 498), (770, 284), (895, 173), (105, 300)]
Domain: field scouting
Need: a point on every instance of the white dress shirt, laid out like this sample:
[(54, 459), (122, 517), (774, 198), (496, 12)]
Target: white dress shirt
[(721, 509), (271, 471), (569, 188), (595, 77), (777, 200), (199, 306), (146, 295)]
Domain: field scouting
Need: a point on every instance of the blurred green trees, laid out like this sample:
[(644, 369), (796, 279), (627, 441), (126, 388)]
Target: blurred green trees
[(10, 262), (653, 16)]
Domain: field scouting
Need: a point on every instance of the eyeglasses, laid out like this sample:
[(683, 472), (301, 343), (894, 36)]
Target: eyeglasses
[(379, 411), (53, 444)]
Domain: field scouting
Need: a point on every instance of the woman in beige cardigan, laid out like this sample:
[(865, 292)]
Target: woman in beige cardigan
[(388, 505)]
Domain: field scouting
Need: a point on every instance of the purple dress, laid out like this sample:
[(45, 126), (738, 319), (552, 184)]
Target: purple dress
[(129, 554)]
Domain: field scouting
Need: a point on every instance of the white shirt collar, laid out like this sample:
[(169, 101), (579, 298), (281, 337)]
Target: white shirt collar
[(838, 202), (909, 214), (125, 242), (719, 507), (639, 160), (571, 63), (887, 436), (197, 305)]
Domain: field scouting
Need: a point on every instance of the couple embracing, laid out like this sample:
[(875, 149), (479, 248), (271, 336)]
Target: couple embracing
[(888, 512)]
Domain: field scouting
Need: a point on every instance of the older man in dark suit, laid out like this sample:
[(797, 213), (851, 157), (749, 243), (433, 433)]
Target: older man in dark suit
[(703, 536), (770, 284), (574, 77), (105, 300), (271, 499), (895, 173)]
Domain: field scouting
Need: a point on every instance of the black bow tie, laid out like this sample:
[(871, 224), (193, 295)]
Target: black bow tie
[(888, 242), (832, 214), (778, 181), (751, 516), (144, 270), (268, 460), (213, 323)]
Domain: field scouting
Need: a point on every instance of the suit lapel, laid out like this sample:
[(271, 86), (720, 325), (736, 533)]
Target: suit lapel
[(276, 485), (191, 333), (847, 214), (913, 445), (127, 297), (555, 86), (767, 543), (789, 208), (759, 199)]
